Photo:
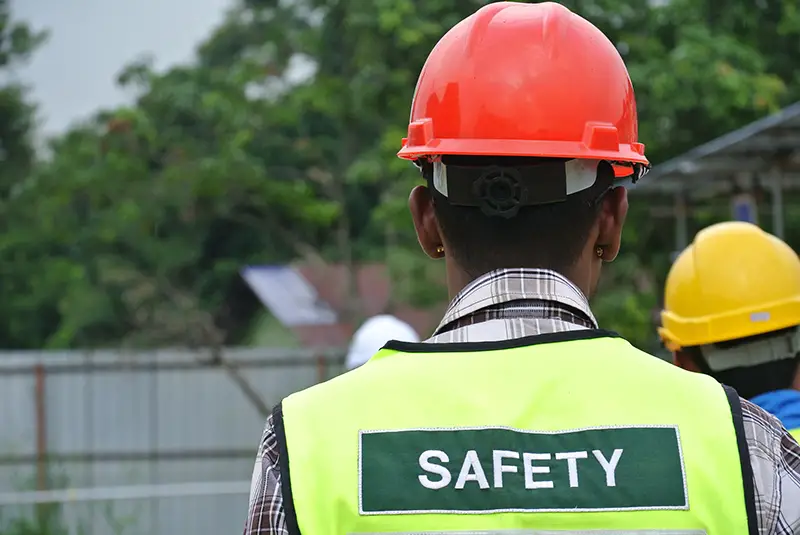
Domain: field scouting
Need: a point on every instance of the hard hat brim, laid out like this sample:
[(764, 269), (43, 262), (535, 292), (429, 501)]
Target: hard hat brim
[(524, 148)]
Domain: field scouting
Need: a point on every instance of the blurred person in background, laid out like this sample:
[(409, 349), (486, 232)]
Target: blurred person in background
[(373, 335), (732, 311), (520, 412)]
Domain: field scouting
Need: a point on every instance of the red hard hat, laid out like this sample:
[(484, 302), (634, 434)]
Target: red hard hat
[(518, 79)]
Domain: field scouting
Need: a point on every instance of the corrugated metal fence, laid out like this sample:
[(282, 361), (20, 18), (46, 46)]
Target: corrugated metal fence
[(152, 443)]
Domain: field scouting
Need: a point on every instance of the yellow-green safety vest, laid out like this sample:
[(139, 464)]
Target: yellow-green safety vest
[(795, 433), (571, 431)]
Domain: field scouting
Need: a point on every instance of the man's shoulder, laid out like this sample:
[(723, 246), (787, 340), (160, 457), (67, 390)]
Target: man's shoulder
[(336, 390), (268, 447), (754, 413), (775, 459), (763, 431)]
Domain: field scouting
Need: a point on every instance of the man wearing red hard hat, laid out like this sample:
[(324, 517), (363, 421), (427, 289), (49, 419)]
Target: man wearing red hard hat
[(520, 415)]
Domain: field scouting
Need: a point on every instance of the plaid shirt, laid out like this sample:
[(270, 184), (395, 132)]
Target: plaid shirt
[(513, 303)]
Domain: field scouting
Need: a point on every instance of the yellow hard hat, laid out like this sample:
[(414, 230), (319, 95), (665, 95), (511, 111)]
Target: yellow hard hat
[(733, 281)]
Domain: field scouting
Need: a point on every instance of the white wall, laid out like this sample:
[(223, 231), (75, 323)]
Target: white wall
[(151, 403)]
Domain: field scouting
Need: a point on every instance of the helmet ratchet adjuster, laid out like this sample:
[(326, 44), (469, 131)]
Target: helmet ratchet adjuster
[(500, 192)]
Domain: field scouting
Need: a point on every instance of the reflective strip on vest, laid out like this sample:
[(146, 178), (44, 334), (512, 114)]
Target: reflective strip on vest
[(571, 431)]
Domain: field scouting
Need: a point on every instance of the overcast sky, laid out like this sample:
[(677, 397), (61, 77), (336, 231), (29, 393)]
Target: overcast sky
[(90, 40)]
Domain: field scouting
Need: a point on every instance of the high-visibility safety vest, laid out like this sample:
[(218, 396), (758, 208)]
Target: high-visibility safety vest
[(795, 433), (571, 431)]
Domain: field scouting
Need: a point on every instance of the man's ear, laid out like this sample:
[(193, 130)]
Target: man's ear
[(684, 360), (613, 211), (420, 203)]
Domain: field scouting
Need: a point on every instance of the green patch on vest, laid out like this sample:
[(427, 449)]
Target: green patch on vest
[(485, 470)]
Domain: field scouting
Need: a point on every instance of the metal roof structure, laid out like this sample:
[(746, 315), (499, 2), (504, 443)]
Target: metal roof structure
[(310, 299), (754, 154), (289, 296)]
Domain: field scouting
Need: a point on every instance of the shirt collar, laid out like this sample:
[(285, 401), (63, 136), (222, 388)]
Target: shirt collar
[(520, 284)]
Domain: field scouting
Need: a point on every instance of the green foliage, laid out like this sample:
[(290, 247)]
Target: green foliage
[(279, 144)]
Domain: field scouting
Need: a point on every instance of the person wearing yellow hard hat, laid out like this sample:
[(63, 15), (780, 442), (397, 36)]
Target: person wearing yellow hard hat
[(732, 311), (520, 414)]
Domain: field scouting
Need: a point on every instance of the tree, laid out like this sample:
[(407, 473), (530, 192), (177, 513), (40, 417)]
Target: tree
[(279, 143), (161, 206), (17, 42), (365, 58)]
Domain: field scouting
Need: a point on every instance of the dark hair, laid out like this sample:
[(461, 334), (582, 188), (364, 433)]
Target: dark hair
[(751, 381), (543, 236)]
